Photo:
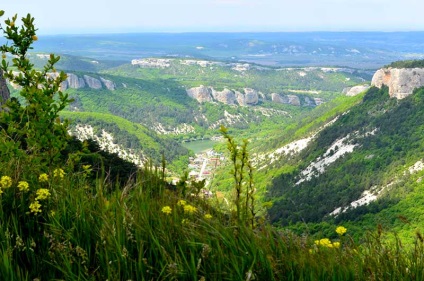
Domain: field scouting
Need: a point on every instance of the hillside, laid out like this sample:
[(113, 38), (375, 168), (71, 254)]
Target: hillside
[(368, 161)]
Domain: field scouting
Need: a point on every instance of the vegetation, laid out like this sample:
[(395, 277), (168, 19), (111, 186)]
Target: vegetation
[(407, 64), (59, 220)]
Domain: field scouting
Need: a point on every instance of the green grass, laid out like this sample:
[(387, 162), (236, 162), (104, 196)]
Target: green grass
[(124, 235)]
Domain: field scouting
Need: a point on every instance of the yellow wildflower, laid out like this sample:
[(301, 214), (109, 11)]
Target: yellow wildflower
[(323, 242), (208, 216), (167, 210), (35, 207), (43, 177), (23, 186), (190, 209), (58, 173), (181, 203), (34, 37), (12, 24), (6, 182), (42, 193), (336, 244), (340, 230)]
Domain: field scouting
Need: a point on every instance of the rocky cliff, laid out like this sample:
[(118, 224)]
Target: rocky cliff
[(247, 97), (4, 91), (74, 82), (401, 81), (353, 91), (209, 94)]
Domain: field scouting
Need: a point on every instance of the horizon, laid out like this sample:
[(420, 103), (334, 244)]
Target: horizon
[(230, 16)]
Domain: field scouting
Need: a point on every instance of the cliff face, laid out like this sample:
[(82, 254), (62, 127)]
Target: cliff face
[(4, 91), (74, 82), (247, 97), (401, 81)]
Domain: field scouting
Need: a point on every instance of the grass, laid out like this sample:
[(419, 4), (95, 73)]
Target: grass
[(87, 233)]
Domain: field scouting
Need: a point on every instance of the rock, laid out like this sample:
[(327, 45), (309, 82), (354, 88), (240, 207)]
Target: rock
[(4, 91), (93, 83), (401, 81), (241, 100), (201, 93), (108, 84), (350, 92), (251, 96), (74, 81), (275, 98), (318, 101), (309, 102), (225, 96), (293, 100)]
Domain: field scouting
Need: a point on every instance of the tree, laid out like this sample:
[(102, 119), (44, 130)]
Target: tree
[(31, 129)]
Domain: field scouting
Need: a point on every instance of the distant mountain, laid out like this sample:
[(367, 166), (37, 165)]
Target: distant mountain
[(300, 49)]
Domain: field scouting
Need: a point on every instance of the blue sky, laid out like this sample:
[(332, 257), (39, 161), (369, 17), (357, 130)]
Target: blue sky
[(111, 16)]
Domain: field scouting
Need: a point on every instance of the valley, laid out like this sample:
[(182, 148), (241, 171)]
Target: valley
[(320, 141)]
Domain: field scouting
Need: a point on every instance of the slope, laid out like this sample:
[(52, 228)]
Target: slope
[(363, 163)]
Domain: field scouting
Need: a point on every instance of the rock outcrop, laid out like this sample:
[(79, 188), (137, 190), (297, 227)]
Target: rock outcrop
[(108, 84), (225, 96), (201, 93), (251, 96), (353, 91), (74, 81), (92, 82), (401, 81), (247, 97), (4, 91)]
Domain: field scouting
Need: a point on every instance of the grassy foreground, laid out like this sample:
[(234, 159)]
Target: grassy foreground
[(148, 232)]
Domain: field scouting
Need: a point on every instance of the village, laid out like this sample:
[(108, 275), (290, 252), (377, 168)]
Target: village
[(203, 166)]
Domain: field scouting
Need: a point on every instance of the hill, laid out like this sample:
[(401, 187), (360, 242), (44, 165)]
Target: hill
[(367, 161)]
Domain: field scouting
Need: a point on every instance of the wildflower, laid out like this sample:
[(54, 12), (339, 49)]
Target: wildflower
[(34, 37), (208, 216), (167, 210), (43, 177), (340, 230), (181, 203), (325, 242), (42, 193), (3, 56), (189, 209), (58, 173), (23, 186), (12, 24), (336, 244), (6, 182), (35, 207)]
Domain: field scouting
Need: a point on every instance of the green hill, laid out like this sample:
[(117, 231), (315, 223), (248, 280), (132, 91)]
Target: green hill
[(368, 153)]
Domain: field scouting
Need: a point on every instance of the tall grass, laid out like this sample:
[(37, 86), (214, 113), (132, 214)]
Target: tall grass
[(95, 234)]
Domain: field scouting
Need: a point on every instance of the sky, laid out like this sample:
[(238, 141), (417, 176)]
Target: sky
[(128, 16)]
